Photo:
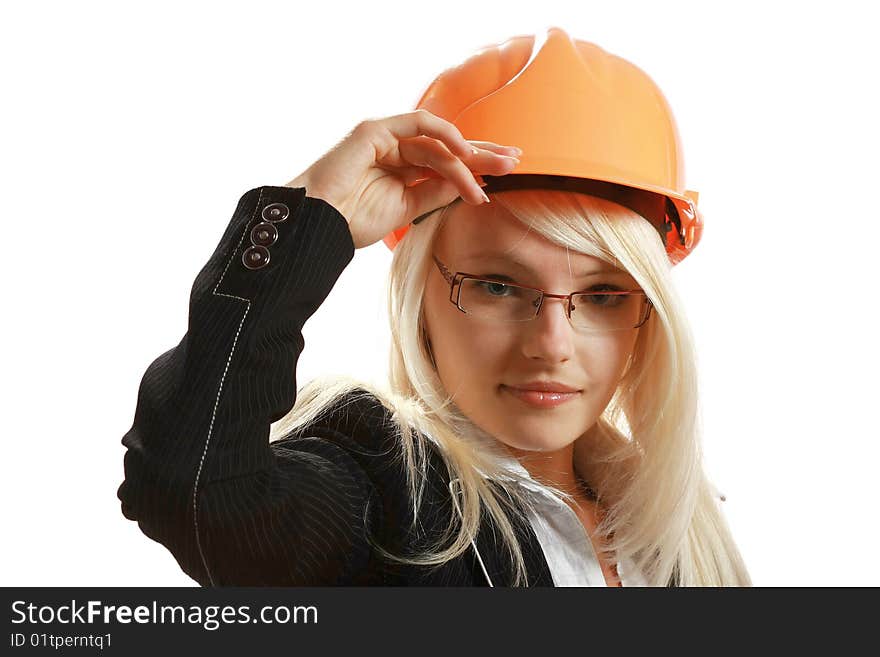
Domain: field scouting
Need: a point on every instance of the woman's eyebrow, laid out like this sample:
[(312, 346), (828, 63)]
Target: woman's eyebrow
[(500, 258)]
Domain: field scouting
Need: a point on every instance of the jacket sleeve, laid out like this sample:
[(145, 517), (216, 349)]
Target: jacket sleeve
[(200, 474)]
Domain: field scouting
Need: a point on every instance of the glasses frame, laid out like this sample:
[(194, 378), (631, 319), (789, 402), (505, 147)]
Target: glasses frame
[(455, 280)]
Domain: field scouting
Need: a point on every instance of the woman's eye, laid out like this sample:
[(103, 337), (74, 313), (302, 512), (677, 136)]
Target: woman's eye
[(607, 300), (495, 289)]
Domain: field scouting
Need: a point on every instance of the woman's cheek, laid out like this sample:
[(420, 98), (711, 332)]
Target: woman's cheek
[(603, 360), (483, 352), (473, 357)]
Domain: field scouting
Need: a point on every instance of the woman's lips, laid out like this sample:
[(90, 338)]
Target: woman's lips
[(541, 399)]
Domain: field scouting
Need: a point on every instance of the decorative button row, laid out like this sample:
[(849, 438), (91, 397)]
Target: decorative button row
[(264, 235)]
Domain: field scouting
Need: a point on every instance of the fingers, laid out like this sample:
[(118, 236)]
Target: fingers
[(497, 148), (423, 139), (410, 175), (423, 122), (427, 152), (494, 160)]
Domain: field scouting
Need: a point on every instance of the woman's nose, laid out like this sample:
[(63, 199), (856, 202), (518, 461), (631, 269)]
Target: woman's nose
[(550, 335)]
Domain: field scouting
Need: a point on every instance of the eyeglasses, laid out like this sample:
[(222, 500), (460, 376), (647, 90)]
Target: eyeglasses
[(608, 309)]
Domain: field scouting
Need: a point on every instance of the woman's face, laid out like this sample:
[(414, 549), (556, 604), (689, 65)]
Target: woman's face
[(477, 359)]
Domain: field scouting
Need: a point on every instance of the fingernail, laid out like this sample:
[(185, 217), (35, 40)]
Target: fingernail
[(516, 149), (486, 197)]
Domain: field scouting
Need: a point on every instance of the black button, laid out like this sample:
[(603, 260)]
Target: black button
[(275, 212), (264, 234), (255, 257)]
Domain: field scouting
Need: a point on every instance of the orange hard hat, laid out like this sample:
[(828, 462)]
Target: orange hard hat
[(586, 120)]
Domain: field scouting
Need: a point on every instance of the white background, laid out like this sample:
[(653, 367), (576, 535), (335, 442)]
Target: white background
[(129, 134)]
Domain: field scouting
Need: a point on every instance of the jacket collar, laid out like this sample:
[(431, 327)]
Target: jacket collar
[(536, 563)]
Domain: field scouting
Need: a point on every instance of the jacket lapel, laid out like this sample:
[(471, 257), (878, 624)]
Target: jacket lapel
[(497, 562)]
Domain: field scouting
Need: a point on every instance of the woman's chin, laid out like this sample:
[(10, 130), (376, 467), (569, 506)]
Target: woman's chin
[(540, 439)]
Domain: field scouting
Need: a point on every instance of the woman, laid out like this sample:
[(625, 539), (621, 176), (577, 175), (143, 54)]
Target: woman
[(520, 441)]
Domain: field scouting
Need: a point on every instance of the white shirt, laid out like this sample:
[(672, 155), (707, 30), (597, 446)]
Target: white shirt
[(567, 548)]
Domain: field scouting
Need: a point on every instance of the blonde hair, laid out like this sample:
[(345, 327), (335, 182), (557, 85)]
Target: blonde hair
[(643, 455)]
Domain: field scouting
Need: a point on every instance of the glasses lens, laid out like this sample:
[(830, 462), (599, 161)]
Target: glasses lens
[(498, 301), (608, 311)]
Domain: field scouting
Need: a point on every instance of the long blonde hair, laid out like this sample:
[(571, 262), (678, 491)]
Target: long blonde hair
[(643, 455)]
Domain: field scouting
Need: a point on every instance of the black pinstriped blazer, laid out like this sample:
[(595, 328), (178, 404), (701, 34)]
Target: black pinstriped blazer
[(201, 477)]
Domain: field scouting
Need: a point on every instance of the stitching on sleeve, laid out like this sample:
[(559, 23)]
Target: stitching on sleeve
[(220, 388)]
